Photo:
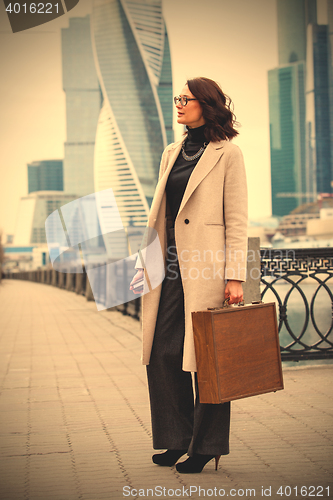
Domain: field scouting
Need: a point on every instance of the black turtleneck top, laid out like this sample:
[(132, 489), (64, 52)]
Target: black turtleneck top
[(182, 169)]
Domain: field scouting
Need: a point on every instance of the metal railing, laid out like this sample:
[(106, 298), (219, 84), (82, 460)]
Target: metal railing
[(300, 281)]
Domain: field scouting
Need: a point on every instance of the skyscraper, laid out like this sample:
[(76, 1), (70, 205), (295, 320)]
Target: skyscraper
[(299, 108), (330, 70), (318, 107), (133, 59), (32, 214), (83, 103), (287, 136), (291, 17), (287, 106), (45, 175)]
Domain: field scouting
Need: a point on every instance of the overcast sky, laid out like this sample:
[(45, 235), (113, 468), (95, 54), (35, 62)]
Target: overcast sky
[(232, 42)]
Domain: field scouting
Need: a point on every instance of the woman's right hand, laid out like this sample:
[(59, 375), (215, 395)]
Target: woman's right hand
[(138, 276)]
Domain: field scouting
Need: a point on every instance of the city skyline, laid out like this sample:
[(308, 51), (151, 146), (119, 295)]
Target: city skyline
[(237, 54)]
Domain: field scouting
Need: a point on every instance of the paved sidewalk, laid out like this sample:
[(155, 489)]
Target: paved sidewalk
[(75, 420)]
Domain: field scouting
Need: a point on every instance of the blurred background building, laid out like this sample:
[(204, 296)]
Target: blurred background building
[(28, 249), (45, 175), (83, 104), (34, 209), (301, 111)]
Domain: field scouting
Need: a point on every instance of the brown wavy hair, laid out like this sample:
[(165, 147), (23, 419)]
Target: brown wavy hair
[(216, 109)]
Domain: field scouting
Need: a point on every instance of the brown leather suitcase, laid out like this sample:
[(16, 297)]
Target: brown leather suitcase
[(237, 351)]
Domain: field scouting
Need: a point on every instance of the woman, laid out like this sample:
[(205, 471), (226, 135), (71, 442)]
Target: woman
[(199, 211)]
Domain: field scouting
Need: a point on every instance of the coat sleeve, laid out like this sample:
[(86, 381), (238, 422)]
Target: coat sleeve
[(139, 264), (235, 215)]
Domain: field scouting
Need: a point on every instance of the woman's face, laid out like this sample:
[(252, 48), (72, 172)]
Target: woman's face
[(191, 114)]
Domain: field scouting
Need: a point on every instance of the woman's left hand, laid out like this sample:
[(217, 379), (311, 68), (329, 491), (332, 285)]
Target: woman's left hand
[(234, 291)]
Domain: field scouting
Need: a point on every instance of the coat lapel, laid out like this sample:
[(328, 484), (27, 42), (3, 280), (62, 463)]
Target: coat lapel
[(208, 160), (173, 155), (160, 188)]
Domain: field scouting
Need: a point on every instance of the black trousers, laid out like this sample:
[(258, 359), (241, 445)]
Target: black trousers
[(179, 422)]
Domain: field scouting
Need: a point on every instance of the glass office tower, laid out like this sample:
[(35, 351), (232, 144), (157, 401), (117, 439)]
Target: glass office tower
[(291, 31), (330, 70), (300, 108), (45, 175), (318, 107), (132, 56), (287, 137), (287, 106), (83, 104)]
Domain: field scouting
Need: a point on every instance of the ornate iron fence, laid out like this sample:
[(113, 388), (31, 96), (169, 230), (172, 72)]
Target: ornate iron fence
[(300, 281)]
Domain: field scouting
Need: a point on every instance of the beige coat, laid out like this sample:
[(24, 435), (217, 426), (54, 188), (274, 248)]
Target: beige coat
[(210, 233)]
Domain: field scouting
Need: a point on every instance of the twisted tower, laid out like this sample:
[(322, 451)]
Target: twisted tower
[(133, 64)]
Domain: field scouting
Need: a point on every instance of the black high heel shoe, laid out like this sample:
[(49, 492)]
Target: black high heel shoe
[(168, 458), (196, 463)]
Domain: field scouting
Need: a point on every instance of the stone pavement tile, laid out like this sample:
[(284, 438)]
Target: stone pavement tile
[(312, 438), (108, 397), (317, 450), (42, 415), (66, 379), (57, 494), (13, 445), (90, 380), (77, 427), (65, 493), (12, 490), (112, 493), (323, 420), (50, 473), (93, 441), (97, 489), (13, 477), (323, 460), (114, 318), (81, 428), (20, 362), (43, 380), (79, 412), (43, 394), (104, 468), (15, 380), (45, 446), (73, 395), (14, 422), (14, 396), (64, 365), (298, 479), (88, 364)]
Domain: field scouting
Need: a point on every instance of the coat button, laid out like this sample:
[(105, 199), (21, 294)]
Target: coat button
[(186, 221)]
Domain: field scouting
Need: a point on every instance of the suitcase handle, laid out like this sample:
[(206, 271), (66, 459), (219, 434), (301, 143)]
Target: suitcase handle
[(226, 304)]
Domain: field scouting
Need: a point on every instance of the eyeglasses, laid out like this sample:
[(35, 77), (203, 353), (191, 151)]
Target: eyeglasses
[(183, 100)]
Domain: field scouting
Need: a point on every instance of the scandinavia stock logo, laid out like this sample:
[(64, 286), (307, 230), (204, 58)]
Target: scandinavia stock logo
[(26, 14), (87, 236)]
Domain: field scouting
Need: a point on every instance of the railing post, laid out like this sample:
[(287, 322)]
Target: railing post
[(251, 287)]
